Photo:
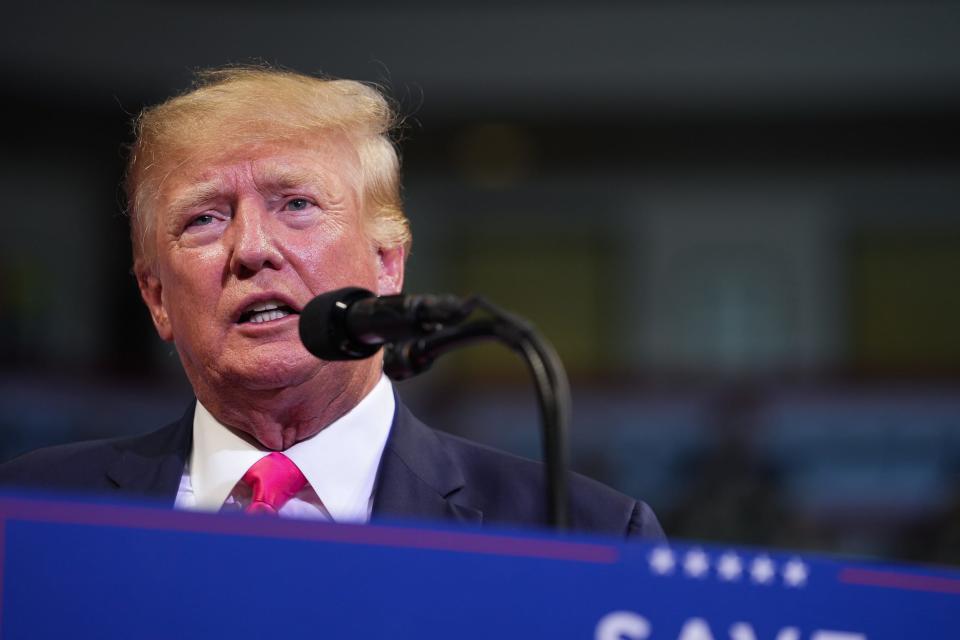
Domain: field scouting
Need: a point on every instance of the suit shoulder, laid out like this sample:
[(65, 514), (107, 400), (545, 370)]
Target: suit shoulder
[(77, 466), (58, 466), (511, 489)]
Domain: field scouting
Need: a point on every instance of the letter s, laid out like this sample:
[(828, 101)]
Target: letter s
[(618, 625)]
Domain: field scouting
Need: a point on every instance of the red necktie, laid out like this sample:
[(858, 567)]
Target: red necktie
[(273, 481)]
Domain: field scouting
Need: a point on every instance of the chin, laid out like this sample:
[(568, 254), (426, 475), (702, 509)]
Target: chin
[(268, 370), (274, 376)]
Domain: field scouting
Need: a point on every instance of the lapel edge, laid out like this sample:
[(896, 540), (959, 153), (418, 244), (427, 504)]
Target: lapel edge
[(152, 464), (415, 453)]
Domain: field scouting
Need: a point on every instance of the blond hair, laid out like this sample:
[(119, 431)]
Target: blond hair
[(262, 105)]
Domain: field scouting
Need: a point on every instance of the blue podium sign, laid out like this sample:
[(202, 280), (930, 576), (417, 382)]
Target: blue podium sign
[(70, 570)]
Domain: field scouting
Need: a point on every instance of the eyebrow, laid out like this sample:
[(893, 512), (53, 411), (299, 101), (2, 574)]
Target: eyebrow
[(195, 196), (285, 177), (271, 178)]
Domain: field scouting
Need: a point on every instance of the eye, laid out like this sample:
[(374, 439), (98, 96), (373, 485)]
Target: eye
[(298, 204), (211, 219), (201, 220)]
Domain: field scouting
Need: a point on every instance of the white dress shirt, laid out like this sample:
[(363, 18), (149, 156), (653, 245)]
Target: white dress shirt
[(340, 463)]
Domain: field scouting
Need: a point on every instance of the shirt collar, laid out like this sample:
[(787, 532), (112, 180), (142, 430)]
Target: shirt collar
[(340, 462)]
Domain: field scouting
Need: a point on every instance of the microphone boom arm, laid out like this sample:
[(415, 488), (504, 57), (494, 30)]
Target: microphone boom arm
[(405, 359)]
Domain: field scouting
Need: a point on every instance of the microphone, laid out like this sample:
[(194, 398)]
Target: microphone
[(352, 323)]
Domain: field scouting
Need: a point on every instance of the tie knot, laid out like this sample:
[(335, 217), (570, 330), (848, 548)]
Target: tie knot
[(273, 481)]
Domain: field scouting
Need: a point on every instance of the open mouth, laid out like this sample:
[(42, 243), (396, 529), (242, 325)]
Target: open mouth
[(265, 312)]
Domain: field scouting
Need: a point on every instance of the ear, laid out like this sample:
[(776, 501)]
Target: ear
[(151, 290), (390, 270)]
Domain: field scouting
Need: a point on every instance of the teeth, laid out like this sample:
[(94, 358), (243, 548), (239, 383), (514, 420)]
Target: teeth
[(267, 316), (265, 306)]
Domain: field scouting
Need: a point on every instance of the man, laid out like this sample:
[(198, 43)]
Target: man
[(250, 195)]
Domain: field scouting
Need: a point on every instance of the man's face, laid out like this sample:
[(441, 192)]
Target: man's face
[(243, 241)]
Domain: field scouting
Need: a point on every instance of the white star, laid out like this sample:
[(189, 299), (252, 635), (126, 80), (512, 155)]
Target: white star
[(795, 573), (729, 566), (762, 570), (662, 561), (696, 564)]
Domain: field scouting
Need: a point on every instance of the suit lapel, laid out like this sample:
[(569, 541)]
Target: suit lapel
[(418, 479), (151, 466)]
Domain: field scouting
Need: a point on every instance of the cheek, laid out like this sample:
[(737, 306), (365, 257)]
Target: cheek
[(357, 263), (339, 259), (194, 287)]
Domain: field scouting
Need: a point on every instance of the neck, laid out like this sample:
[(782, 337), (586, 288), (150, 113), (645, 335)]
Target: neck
[(279, 418)]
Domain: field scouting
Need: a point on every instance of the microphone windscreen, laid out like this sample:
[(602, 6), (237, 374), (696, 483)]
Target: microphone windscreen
[(323, 326)]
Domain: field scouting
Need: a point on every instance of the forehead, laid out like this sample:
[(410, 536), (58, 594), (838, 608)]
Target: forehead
[(328, 163)]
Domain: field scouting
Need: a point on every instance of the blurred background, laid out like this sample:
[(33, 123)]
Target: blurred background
[(738, 223)]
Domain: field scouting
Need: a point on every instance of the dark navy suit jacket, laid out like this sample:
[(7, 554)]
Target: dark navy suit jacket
[(424, 475)]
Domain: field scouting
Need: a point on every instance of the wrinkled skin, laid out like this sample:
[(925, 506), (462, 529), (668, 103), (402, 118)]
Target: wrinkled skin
[(280, 221)]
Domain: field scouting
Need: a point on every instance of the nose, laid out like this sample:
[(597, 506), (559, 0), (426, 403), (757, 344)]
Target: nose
[(254, 245)]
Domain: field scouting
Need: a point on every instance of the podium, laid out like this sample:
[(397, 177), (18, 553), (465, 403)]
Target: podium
[(80, 570)]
